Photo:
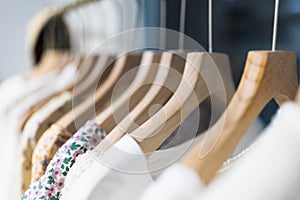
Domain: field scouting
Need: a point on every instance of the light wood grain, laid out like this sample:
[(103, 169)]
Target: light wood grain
[(82, 82), (267, 75), (297, 99), (191, 91), (158, 94), (95, 103), (84, 70), (38, 26), (26, 116), (35, 28), (90, 81), (52, 59), (120, 107)]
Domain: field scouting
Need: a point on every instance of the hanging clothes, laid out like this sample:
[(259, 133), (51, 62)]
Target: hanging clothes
[(49, 186), (13, 91), (269, 169), (30, 136), (125, 170)]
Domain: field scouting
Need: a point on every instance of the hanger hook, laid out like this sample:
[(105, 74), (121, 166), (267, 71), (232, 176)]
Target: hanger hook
[(182, 24), (210, 28), (139, 13), (163, 23), (275, 26)]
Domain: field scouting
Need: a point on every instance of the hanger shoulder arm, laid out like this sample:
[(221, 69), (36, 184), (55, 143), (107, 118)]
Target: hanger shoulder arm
[(145, 74), (159, 127), (267, 75)]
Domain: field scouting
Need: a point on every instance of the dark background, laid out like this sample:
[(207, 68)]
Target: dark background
[(240, 26)]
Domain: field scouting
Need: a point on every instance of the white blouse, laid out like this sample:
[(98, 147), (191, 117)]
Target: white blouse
[(117, 174), (270, 169), (107, 179)]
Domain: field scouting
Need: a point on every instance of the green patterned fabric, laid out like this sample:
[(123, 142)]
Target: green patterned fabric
[(49, 186)]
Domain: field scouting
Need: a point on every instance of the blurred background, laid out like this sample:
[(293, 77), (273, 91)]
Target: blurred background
[(238, 26)]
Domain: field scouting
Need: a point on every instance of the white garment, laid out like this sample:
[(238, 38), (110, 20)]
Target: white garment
[(33, 122), (270, 169), (176, 183), (62, 80), (16, 88), (105, 178), (17, 110), (86, 174), (12, 91), (188, 183), (162, 159), (29, 136)]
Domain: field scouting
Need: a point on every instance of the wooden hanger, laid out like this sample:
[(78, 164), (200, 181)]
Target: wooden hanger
[(88, 69), (24, 119), (145, 74), (49, 33), (39, 26), (297, 100), (52, 59), (267, 75), (99, 64), (46, 31), (55, 58), (82, 89), (85, 68), (158, 94), (56, 115), (190, 93), (85, 110)]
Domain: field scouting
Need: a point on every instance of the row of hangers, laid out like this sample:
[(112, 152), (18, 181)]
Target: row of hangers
[(268, 75)]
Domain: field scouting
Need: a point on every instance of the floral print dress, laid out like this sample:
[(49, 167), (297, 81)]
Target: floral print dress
[(49, 186)]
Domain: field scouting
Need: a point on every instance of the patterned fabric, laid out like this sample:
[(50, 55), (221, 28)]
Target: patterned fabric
[(83, 162), (34, 128), (45, 150), (49, 186)]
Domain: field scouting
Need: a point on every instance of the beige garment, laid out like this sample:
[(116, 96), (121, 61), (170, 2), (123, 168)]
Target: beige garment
[(34, 128)]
